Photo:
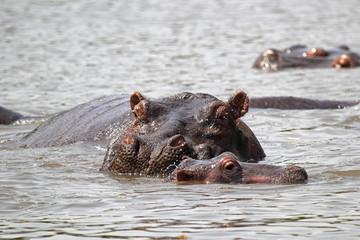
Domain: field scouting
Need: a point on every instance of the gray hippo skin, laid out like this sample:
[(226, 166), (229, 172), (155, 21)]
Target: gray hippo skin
[(96, 122), (272, 60), (7, 116), (165, 131), (153, 136), (226, 168)]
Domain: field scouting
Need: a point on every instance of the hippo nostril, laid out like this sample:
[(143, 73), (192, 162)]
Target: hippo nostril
[(177, 141), (132, 143)]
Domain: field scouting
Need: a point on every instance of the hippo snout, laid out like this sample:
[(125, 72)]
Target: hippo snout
[(134, 155), (122, 155), (265, 173), (295, 174), (164, 162)]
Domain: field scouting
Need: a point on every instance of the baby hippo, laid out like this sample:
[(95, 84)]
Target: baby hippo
[(226, 168)]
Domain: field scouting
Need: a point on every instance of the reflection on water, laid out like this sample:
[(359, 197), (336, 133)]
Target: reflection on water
[(56, 54)]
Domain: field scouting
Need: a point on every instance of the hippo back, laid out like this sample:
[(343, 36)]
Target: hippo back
[(97, 121)]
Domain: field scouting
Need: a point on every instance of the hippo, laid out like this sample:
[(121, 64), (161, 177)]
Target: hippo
[(8, 116), (167, 130), (226, 168), (272, 60), (153, 136)]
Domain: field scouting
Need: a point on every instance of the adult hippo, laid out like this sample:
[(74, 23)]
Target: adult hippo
[(301, 56), (152, 137)]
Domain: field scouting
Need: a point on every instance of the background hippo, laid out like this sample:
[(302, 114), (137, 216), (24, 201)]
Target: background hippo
[(301, 56)]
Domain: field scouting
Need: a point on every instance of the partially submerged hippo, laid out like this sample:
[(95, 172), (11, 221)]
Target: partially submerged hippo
[(152, 137), (226, 168), (7, 116), (301, 56), (167, 130)]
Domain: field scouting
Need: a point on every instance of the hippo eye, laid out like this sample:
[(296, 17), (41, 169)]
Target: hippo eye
[(229, 166)]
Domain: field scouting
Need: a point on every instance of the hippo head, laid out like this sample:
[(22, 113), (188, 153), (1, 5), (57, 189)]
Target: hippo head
[(226, 168), (268, 61), (167, 130)]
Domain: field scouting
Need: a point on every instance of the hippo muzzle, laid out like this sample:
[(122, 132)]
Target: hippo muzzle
[(133, 155)]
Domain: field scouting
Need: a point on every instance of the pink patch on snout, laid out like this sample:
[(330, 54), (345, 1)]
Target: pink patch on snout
[(259, 180)]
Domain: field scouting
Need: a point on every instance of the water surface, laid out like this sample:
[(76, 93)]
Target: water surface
[(57, 54)]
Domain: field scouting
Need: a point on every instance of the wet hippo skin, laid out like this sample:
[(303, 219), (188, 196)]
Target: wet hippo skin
[(153, 136), (272, 60), (226, 168), (7, 116)]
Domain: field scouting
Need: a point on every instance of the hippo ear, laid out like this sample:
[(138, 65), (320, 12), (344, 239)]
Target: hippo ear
[(239, 103), (135, 98)]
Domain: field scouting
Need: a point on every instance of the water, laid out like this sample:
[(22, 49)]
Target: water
[(57, 54)]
